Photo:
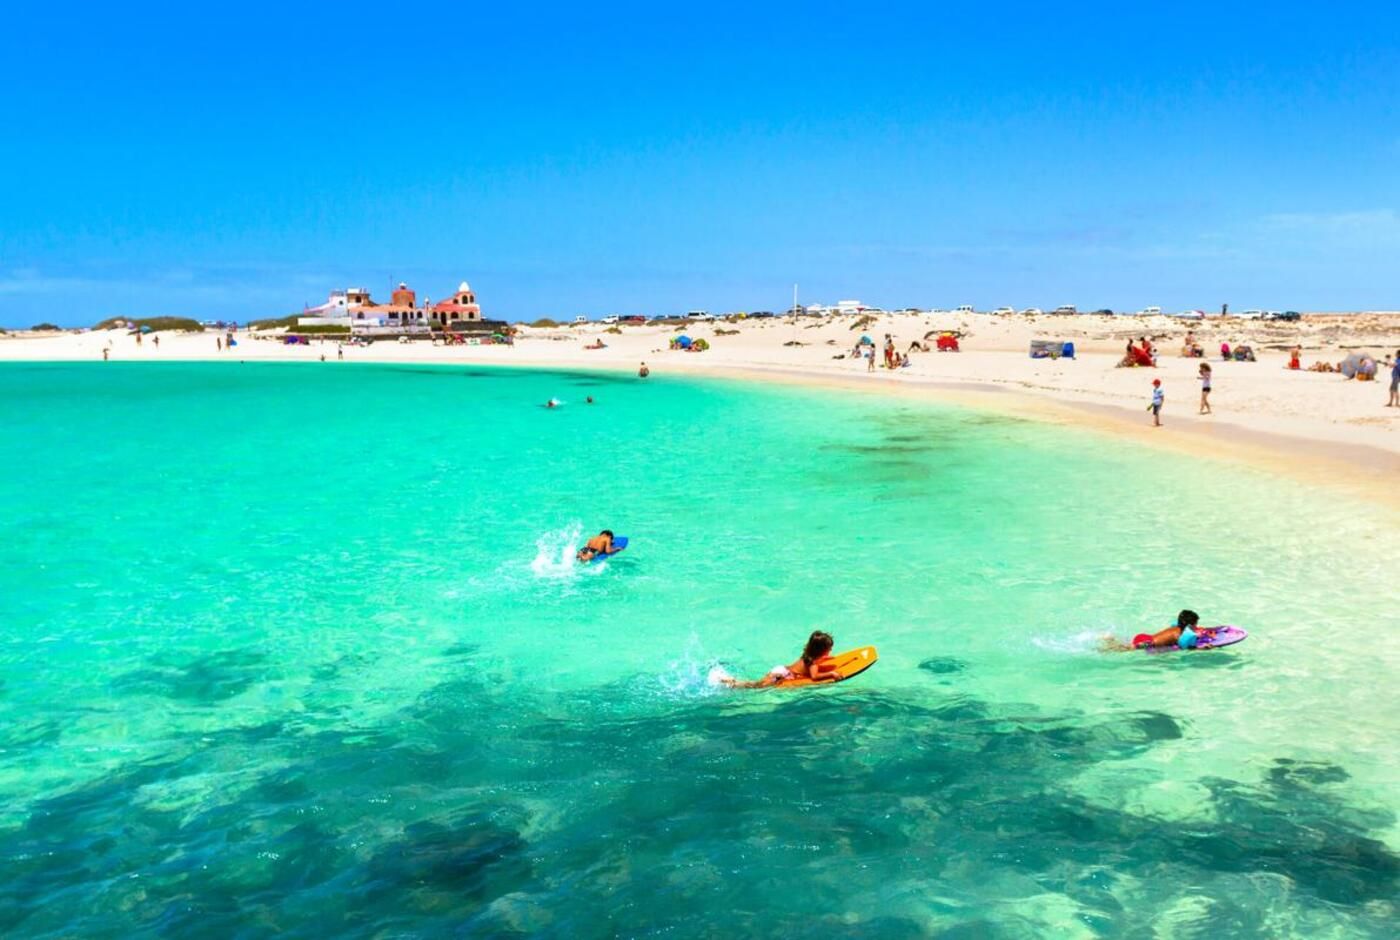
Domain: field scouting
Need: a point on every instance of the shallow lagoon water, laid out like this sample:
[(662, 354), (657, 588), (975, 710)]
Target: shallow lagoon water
[(297, 648)]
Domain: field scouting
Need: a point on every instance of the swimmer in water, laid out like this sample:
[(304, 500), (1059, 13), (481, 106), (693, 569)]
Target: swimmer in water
[(552, 403), (1185, 633), (807, 666), (600, 544)]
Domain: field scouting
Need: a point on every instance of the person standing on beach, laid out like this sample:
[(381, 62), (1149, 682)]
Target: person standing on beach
[(1157, 401), (1205, 388), (339, 351), (107, 351), (219, 343), (643, 372), (155, 341), (870, 358), (1394, 382)]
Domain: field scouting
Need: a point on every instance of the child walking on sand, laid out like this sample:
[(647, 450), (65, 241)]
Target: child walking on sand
[(1205, 388), (1157, 399)]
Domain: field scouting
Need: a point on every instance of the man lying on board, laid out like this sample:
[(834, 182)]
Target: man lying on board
[(600, 544)]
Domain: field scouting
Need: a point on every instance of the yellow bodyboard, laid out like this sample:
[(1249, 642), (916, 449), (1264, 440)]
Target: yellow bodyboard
[(847, 665)]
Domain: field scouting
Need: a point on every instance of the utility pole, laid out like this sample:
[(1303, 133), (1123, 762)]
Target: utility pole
[(794, 313)]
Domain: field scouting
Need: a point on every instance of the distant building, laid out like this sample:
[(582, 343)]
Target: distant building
[(333, 309), (354, 307), (461, 308), (841, 307)]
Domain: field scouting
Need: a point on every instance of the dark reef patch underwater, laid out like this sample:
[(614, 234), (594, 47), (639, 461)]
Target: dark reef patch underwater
[(834, 798)]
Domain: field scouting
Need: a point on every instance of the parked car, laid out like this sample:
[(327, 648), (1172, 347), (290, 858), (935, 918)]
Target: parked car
[(1289, 316), (634, 320), (1150, 312), (610, 320), (965, 308), (1066, 308), (1032, 312), (1190, 315), (1251, 315), (580, 319), (699, 315), (761, 315), (1003, 311)]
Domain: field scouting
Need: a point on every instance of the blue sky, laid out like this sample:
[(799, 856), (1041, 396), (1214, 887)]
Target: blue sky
[(239, 160)]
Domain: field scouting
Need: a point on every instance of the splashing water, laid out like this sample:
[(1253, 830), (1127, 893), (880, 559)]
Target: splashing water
[(556, 555), (1084, 641), (692, 673)]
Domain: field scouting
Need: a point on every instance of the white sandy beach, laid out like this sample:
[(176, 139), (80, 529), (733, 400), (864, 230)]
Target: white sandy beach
[(1304, 422)]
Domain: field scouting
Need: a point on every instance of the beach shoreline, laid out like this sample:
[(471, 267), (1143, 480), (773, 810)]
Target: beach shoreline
[(1314, 427)]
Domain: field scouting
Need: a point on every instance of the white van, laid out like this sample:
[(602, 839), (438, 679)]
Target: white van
[(580, 319), (610, 320), (965, 308), (698, 315), (1066, 308), (1150, 312)]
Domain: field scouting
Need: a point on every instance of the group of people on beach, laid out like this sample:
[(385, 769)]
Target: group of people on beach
[(1205, 375), (1141, 354), (893, 358)]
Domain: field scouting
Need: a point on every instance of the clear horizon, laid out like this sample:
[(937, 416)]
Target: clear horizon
[(240, 164)]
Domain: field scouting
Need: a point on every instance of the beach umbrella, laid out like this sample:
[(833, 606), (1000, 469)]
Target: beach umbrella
[(683, 342), (1358, 363), (865, 340), (145, 328)]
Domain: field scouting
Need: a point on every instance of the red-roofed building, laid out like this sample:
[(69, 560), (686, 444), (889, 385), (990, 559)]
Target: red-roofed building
[(355, 307), (461, 306)]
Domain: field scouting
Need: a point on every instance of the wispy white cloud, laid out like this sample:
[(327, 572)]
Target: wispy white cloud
[(28, 281), (1363, 222)]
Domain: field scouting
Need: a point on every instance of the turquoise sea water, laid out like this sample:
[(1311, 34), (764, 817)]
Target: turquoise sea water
[(297, 649)]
